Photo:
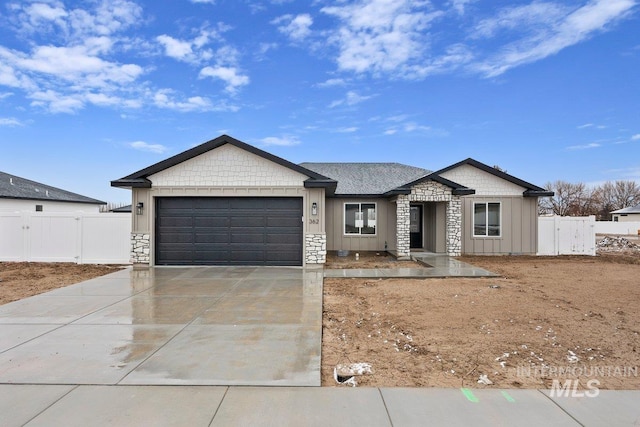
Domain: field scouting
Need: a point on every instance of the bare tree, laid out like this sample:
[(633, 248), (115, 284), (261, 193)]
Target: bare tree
[(581, 200), (619, 194), (569, 200)]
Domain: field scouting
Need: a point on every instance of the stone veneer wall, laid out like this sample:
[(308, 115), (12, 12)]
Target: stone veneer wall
[(315, 248), (403, 226), (430, 191), (140, 248), (454, 226)]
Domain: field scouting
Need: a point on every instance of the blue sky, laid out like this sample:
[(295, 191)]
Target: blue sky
[(91, 91)]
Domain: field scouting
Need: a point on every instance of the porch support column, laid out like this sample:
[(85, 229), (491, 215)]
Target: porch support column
[(454, 226), (403, 226)]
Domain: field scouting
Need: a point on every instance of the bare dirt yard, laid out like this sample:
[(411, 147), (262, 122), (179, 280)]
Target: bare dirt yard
[(545, 319), (23, 279), (367, 260)]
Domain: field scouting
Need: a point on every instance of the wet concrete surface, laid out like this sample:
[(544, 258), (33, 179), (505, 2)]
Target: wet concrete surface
[(120, 405), (169, 325), (435, 266)]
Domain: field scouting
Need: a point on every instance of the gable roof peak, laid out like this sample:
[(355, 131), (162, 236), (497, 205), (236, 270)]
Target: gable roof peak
[(140, 179)]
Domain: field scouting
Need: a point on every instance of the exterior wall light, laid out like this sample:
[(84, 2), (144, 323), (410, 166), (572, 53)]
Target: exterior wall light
[(139, 208), (314, 208)]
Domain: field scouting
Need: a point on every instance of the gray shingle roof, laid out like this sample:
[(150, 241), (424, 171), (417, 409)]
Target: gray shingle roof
[(633, 209), (367, 178), (14, 187)]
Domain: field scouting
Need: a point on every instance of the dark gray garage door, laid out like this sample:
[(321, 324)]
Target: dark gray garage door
[(228, 231)]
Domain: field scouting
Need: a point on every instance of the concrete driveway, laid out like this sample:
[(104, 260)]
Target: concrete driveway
[(167, 326)]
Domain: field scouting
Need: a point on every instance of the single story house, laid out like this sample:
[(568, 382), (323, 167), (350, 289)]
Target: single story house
[(627, 214), (228, 203), (23, 195)]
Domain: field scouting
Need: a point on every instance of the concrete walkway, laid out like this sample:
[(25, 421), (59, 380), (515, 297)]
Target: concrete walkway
[(435, 266), (169, 326), (59, 405)]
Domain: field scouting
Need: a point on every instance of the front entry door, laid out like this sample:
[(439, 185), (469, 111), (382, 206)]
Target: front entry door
[(415, 226)]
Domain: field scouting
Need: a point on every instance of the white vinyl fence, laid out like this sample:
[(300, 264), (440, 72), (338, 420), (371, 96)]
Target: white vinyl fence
[(564, 235), (65, 237), (610, 227)]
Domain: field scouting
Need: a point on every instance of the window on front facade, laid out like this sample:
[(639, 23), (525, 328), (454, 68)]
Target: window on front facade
[(486, 219), (360, 218)]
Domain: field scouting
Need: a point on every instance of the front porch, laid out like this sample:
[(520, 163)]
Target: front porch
[(428, 219)]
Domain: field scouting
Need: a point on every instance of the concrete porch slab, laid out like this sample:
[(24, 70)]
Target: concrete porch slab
[(284, 406), (443, 268), (133, 406), (453, 407)]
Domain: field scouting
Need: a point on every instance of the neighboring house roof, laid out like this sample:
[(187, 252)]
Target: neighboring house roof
[(140, 179), (122, 209), (14, 187), (530, 189), (630, 210), (367, 179)]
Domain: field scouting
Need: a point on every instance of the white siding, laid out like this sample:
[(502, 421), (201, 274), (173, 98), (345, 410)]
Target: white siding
[(483, 182), (227, 166)]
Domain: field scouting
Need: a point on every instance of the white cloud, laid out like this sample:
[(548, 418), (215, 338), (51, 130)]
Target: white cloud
[(459, 5), (144, 146), (285, 141), (635, 137), (351, 98), (297, 28), (390, 131), (585, 126), (204, 1), (10, 122), (381, 36), (332, 83), (166, 98), (56, 102), (350, 129), (177, 49), (75, 66), (191, 51), (583, 147), (547, 29), (230, 75), (413, 127), (263, 49)]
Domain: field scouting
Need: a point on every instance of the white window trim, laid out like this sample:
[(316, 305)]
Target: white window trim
[(344, 219), (473, 222)]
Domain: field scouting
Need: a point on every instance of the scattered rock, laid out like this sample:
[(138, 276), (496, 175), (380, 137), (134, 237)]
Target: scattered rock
[(345, 374), (616, 244), (484, 380)]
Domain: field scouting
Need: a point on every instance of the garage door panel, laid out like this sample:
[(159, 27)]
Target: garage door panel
[(212, 238), (283, 239), (247, 221), (229, 231), (177, 238), (248, 238), (211, 221)]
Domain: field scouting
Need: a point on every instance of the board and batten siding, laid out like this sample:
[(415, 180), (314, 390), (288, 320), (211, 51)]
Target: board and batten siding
[(519, 227), (385, 230), (434, 226)]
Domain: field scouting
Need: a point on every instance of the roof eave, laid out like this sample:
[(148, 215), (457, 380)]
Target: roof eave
[(131, 183), (463, 191), (537, 193), (328, 184)]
